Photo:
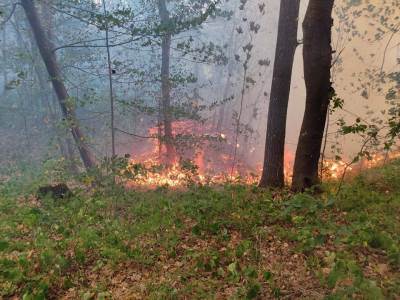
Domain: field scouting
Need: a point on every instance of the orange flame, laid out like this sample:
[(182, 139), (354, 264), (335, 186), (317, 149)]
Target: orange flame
[(203, 165)]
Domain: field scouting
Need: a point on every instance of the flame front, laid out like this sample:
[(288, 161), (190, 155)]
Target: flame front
[(208, 166)]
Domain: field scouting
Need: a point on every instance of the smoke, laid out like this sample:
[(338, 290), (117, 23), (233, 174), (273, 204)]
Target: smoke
[(235, 85)]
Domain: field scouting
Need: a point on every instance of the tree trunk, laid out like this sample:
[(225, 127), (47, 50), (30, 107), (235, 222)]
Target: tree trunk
[(4, 57), (49, 58), (317, 56), (48, 96), (221, 118), (222, 108), (274, 159), (166, 83), (110, 80)]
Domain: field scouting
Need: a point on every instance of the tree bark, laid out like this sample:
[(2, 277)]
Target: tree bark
[(168, 138), (274, 159), (49, 58), (317, 56)]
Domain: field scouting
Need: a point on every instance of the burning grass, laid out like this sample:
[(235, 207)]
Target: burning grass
[(151, 173), (208, 157)]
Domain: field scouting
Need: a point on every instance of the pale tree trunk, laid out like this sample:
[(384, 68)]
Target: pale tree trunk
[(222, 109), (168, 138), (110, 81), (49, 58), (219, 115), (4, 57), (274, 159), (317, 56), (221, 118)]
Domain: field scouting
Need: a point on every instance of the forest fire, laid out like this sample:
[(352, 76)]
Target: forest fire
[(203, 158), (336, 169), (188, 149), (208, 159), (186, 172)]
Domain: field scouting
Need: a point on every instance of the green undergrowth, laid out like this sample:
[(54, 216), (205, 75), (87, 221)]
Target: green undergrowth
[(227, 242)]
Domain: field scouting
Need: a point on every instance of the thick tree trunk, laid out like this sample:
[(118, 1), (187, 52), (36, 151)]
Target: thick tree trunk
[(274, 160), (168, 138), (317, 55), (50, 61)]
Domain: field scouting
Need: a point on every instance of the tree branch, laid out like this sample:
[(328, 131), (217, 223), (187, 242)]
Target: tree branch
[(136, 135)]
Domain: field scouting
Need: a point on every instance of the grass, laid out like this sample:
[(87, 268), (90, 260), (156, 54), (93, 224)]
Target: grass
[(228, 242)]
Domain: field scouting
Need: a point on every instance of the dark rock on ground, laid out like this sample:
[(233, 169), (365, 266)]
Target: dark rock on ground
[(58, 191)]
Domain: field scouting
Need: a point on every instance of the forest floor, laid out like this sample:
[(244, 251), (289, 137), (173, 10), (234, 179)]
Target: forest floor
[(227, 242)]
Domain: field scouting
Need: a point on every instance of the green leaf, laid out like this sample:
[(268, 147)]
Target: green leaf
[(3, 245), (253, 291), (267, 276), (232, 268), (331, 201), (88, 296)]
